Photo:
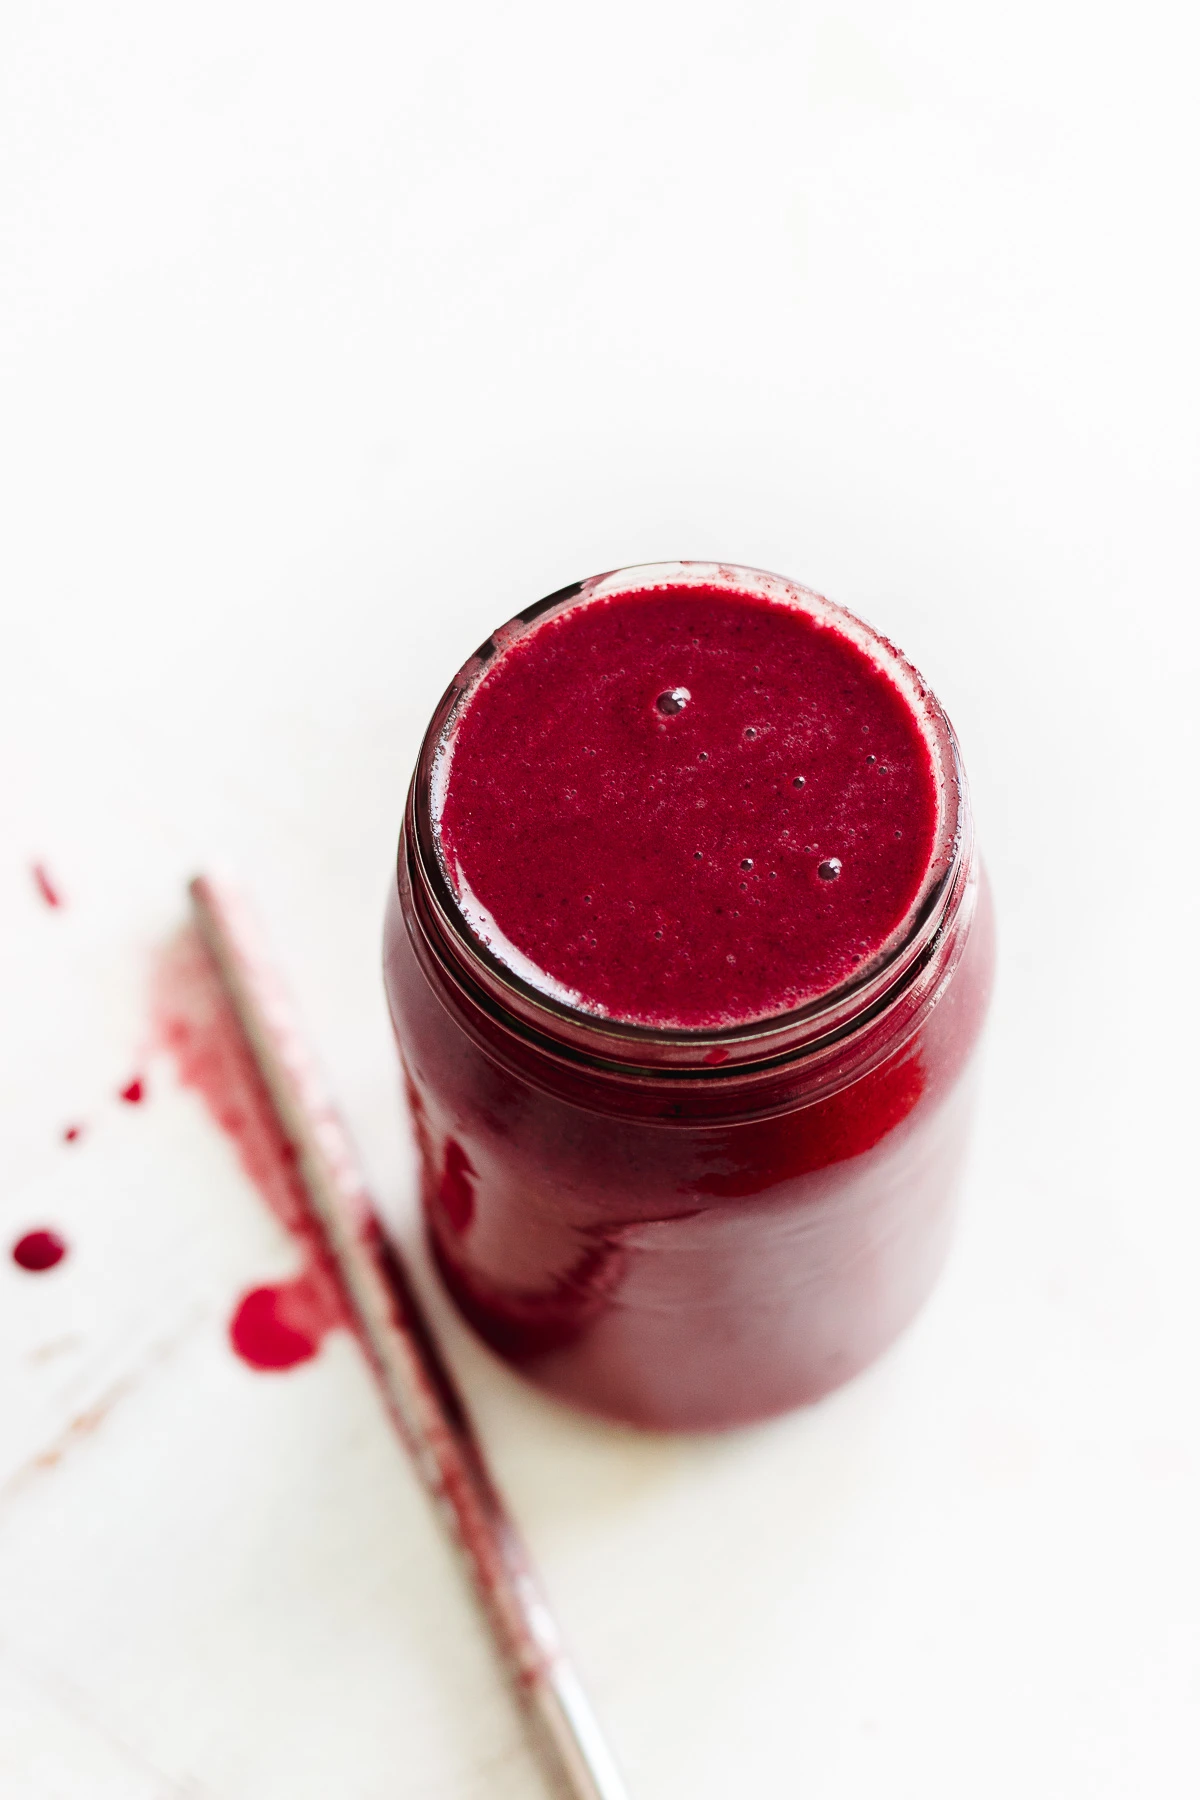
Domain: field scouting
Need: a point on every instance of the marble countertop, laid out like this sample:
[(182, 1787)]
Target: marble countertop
[(332, 339)]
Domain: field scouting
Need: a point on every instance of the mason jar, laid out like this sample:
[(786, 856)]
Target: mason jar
[(688, 1228)]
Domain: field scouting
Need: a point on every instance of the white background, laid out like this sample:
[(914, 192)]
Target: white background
[(332, 336)]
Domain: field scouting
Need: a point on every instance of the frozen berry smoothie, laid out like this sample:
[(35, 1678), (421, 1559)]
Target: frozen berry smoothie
[(686, 958)]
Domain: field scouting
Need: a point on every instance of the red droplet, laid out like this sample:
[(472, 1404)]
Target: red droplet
[(45, 887), (278, 1327), (72, 1133), (135, 1093), (38, 1251)]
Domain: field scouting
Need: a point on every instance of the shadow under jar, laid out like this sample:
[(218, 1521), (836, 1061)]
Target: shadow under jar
[(686, 957)]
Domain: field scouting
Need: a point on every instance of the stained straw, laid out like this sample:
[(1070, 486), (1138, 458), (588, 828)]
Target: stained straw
[(416, 1384)]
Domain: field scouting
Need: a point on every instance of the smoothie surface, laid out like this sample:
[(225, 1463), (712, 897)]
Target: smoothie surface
[(686, 808)]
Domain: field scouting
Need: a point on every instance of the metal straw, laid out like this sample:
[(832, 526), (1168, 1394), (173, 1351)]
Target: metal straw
[(417, 1386)]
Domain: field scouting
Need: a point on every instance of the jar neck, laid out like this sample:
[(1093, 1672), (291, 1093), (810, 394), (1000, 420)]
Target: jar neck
[(703, 1075), (881, 989)]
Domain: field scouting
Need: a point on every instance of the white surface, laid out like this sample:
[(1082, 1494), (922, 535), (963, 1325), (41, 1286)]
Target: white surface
[(333, 336)]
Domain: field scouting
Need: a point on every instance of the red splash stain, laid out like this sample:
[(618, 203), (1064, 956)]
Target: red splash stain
[(45, 886), (38, 1251), (72, 1133), (278, 1326), (134, 1092)]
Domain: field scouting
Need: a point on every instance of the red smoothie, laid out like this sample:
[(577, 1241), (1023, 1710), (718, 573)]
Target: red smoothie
[(687, 807), (686, 958)]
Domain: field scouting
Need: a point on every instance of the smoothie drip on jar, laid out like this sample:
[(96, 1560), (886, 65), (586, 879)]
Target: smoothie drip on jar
[(686, 807)]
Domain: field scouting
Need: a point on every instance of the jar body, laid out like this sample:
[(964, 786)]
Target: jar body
[(691, 1253)]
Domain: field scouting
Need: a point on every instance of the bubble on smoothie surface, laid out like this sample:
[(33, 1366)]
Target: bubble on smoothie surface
[(830, 869), (673, 701)]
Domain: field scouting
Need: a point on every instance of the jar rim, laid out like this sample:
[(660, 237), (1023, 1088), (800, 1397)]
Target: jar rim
[(705, 1050)]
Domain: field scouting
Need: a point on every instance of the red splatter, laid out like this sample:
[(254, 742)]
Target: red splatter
[(272, 1327), (72, 1134), (278, 1327), (45, 887), (135, 1092), (38, 1251)]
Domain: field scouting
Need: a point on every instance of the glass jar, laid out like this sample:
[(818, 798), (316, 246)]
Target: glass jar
[(689, 1229)]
